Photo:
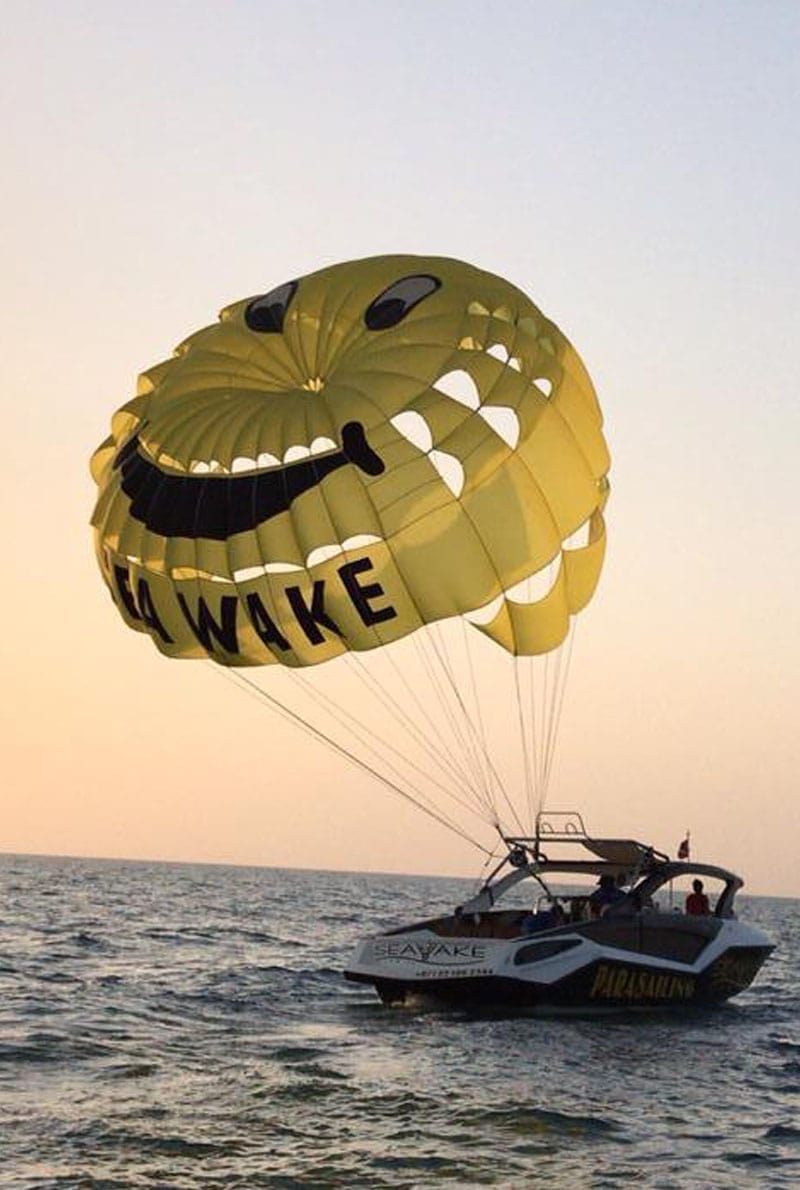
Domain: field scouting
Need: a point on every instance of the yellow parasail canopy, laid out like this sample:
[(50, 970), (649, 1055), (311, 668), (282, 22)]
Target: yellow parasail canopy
[(371, 448)]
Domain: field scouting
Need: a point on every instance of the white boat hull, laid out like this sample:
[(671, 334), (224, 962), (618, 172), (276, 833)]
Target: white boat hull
[(570, 967)]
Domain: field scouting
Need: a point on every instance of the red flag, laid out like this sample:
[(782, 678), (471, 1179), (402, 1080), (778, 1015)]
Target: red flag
[(683, 849)]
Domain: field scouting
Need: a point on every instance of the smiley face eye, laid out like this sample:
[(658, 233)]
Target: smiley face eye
[(266, 314), (398, 300)]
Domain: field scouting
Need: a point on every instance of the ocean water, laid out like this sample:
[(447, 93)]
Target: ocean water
[(188, 1027)]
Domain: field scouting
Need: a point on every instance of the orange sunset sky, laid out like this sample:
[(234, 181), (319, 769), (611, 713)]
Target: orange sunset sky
[(632, 167)]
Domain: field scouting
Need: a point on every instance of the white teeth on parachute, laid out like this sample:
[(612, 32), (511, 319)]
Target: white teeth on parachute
[(529, 590), (501, 352), (485, 614), (450, 469), (165, 460), (579, 539), (200, 467), (249, 572), (322, 553), (416, 430), (281, 567), (503, 421), (246, 573), (536, 586), (242, 464), (360, 540), (459, 386)]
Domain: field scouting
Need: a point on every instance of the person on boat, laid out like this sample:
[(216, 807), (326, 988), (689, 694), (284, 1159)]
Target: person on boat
[(544, 919), (697, 901), (607, 893)]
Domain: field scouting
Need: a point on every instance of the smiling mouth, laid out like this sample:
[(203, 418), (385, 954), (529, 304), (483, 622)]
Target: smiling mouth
[(218, 506)]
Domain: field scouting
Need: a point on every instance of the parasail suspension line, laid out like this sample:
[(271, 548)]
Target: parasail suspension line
[(524, 738), (559, 692), (361, 730), (470, 739), (471, 726), (484, 750), (471, 779), (292, 716), (450, 769)]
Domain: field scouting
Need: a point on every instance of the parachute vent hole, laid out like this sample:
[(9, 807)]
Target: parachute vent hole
[(459, 386), (537, 586), (579, 539)]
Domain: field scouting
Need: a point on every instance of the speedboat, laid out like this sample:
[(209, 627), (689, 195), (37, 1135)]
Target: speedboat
[(627, 944)]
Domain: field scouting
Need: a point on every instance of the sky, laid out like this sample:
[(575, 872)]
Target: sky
[(632, 166)]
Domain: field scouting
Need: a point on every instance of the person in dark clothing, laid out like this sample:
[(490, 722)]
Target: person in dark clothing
[(697, 901), (607, 893)]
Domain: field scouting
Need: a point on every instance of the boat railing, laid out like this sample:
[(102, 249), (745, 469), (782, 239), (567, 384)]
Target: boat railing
[(567, 827), (559, 825), (552, 826)]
